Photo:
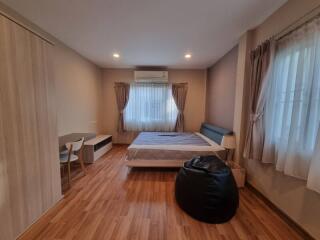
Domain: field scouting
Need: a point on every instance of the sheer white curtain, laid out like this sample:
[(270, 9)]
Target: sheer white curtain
[(292, 114), (151, 107)]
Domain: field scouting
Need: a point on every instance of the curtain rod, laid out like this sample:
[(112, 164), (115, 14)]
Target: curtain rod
[(308, 17)]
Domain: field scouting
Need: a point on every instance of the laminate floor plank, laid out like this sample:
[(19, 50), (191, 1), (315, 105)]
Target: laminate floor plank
[(115, 202)]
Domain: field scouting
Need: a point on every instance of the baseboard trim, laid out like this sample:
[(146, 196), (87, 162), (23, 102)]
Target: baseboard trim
[(303, 233)]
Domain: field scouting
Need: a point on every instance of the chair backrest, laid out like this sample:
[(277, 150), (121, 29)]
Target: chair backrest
[(76, 146)]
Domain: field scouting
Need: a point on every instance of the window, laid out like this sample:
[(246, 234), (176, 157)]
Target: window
[(151, 107), (293, 106)]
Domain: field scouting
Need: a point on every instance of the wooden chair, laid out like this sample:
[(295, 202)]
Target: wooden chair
[(73, 153)]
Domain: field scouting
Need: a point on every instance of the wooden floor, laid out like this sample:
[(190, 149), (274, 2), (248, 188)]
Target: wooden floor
[(114, 202)]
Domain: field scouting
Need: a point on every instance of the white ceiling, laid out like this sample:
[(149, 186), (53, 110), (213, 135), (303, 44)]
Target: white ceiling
[(147, 32)]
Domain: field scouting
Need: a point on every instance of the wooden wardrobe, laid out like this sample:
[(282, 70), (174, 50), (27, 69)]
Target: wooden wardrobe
[(29, 165)]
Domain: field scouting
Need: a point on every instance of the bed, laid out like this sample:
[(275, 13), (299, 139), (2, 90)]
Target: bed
[(172, 149)]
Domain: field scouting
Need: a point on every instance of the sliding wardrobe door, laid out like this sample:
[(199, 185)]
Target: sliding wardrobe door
[(29, 166)]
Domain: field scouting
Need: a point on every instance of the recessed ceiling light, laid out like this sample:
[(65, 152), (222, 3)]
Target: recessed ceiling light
[(187, 56), (116, 55)]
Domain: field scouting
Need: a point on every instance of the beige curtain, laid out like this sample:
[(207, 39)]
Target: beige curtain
[(260, 64), (179, 93), (122, 91)]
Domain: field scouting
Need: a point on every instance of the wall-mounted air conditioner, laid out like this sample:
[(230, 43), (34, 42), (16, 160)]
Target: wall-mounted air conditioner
[(151, 76)]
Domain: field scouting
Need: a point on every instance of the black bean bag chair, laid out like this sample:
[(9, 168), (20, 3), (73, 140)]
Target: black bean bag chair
[(206, 190)]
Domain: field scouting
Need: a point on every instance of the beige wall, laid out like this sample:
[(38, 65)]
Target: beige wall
[(195, 102), (78, 85), (220, 94), (288, 193)]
